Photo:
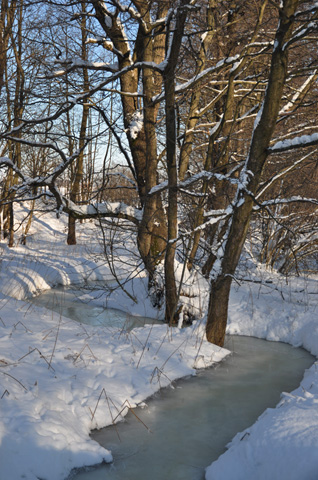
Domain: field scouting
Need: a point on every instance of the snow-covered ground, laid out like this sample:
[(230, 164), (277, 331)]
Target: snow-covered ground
[(59, 379), (283, 443)]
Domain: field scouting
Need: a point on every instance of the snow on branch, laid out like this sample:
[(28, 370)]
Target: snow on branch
[(136, 124), (234, 62), (215, 218), (204, 175), (293, 143), (117, 210), (27, 183), (312, 10), (6, 162), (128, 9), (215, 68), (124, 177), (282, 201), (70, 65), (148, 26), (48, 181), (282, 173), (300, 93), (197, 78), (66, 161), (302, 33)]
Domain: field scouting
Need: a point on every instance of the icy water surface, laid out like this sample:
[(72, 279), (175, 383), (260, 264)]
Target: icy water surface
[(86, 305), (191, 423)]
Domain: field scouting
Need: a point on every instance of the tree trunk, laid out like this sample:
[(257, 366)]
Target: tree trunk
[(217, 158), (172, 311), (7, 17), (214, 159), (250, 178), (193, 116), (170, 282), (18, 108), (28, 225), (11, 226), (149, 47), (79, 166)]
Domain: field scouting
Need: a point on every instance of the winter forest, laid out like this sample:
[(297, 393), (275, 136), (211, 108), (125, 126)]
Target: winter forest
[(172, 143)]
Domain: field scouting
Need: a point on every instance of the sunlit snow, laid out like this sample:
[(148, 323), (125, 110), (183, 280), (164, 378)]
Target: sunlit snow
[(59, 379)]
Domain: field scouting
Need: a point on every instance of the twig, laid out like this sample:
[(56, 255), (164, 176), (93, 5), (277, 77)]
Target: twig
[(6, 392), (159, 372), (162, 342), (107, 400), (15, 327), (18, 381), (132, 333), (171, 354), (139, 419), (100, 396), (78, 355), (198, 351), (127, 405), (41, 356), (144, 348), (55, 342)]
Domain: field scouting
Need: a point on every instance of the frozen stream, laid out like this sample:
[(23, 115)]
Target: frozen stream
[(86, 305), (191, 423)]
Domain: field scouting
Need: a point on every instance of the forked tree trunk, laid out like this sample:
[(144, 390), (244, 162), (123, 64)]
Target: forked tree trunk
[(149, 47), (218, 157), (250, 178)]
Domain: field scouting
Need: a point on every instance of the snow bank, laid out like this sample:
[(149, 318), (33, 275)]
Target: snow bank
[(60, 379), (283, 443)]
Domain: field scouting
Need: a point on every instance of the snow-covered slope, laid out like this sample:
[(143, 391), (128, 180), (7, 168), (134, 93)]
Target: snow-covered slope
[(283, 443), (59, 379)]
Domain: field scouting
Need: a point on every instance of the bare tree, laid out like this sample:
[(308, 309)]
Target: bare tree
[(195, 108), (251, 174), (78, 167)]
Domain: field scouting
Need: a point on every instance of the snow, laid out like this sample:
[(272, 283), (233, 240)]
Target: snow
[(296, 142), (158, 188), (303, 31), (108, 21), (282, 444), (59, 379), (291, 104), (106, 208), (136, 124), (224, 62)]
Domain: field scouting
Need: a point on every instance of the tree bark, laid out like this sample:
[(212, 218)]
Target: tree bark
[(172, 312), (7, 16), (143, 146), (18, 108), (79, 166), (250, 178), (170, 282)]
